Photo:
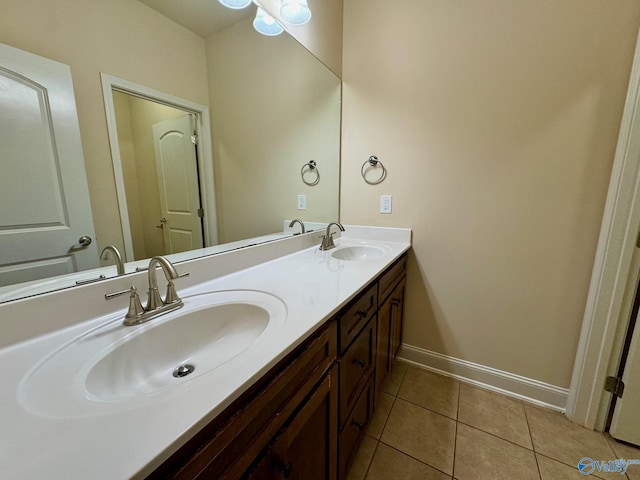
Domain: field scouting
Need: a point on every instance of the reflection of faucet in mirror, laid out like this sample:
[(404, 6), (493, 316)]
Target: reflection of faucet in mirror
[(314, 119), (327, 239), (104, 255), (294, 221)]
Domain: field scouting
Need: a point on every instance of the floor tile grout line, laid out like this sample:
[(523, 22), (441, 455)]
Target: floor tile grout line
[(426, 408), (366, 471), (416, 459), (526, 417), (455, 435), (498, 437)]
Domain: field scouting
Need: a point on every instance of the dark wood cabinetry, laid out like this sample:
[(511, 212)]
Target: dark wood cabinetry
[(390, 313), (306, 418)]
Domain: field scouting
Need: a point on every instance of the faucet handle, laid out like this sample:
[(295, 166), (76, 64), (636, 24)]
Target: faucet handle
[(172, 295), (135, 306)]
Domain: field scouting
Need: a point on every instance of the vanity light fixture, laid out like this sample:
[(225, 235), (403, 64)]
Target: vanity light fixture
[(235, 4), (266, 24), (295, 12)]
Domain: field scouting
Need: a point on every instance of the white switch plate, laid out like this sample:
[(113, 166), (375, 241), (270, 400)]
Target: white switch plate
[(302, 202), (385, 203)]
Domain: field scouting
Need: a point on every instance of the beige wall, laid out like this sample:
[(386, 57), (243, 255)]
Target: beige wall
[(497, 122), (121, 37), (322, 35), (274, 107)]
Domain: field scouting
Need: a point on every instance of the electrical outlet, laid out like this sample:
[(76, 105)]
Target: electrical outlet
[(302, 202), (385, 203)]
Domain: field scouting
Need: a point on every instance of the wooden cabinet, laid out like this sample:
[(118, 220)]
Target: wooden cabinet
[(390, 313), (305, 419), (229, 446), (307, 447)]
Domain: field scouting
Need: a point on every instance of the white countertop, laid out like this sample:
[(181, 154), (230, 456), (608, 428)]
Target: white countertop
[(131, 441)]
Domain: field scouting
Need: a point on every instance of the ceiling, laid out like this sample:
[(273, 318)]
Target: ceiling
[(203, 17)]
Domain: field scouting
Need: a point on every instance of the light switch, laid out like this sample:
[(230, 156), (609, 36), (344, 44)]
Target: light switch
[(385, 203), (302, 202)]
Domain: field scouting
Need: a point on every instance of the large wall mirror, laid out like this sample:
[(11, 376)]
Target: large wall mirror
[(265, 107)]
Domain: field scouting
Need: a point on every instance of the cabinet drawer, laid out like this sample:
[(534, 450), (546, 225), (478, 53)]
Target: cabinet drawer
[(354, 429), (389, 278), (355, 367), (355, 316), (226, 447)]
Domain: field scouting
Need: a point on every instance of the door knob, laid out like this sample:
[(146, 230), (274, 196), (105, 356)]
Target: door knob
[(85, 240)]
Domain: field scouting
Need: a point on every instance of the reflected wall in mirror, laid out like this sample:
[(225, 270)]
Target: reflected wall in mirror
[(273, 107)]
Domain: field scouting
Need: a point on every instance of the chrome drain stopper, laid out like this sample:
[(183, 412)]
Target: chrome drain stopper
[(183, 370)]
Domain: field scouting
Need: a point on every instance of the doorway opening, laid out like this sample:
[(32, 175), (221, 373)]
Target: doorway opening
[(162, 164)]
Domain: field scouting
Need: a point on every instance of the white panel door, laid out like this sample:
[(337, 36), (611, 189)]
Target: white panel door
[(625, 424), (44, 196), (177, 169)]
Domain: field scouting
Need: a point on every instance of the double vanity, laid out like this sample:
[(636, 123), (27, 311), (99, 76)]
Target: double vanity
[(270, 368)]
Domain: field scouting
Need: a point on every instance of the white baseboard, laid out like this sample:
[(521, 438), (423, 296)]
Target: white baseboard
[(529, 390)]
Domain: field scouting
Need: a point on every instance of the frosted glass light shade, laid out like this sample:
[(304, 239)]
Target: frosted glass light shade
[(266, 24), (235, 4), (295, 12)]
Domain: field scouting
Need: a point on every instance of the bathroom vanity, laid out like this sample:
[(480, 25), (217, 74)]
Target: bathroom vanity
[(292, 401)]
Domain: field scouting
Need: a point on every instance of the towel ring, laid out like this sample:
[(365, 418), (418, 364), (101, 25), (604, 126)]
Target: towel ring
[(373, 162), (312, 168)]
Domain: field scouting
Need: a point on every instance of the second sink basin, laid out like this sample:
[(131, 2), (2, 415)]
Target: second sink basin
[(359, 252)]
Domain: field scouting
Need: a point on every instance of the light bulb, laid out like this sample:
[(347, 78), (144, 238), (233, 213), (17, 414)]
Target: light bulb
[(235, 4), (295, 12), (266, 24)]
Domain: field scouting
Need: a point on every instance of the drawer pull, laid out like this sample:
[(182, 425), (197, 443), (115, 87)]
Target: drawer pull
[(286, 468), (361, 313), (360, 363), (358, 425)]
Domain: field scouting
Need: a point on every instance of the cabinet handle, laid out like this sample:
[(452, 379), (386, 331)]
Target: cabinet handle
[(287, 468), (360, 363), (395, 302), (361, 313), (358, 425)]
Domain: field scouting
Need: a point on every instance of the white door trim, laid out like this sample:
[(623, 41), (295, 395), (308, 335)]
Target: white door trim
[(599, 347), (110, 82)]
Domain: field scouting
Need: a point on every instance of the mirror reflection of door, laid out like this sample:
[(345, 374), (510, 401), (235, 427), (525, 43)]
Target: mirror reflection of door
[(159, 164), (177, 169)]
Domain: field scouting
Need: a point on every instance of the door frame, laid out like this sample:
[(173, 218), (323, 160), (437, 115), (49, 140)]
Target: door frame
[(204, 149), (608, 306)]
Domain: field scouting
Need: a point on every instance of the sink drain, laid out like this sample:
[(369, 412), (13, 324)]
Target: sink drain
[(183, 370)]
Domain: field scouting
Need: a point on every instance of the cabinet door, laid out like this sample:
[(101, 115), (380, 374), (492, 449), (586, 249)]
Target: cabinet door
[(382, 350), (306, 449), (397, 312), (262, 470)]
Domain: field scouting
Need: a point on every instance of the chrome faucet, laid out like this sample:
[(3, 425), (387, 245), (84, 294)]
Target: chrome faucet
[(138, 314), (294, 221), (327, 239), (104, 255)]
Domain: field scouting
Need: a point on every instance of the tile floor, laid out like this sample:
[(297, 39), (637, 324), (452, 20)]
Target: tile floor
[(430, 427)]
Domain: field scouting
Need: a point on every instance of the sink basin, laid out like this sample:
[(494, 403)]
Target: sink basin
[(112, 367), (199, 340), (359, 252)]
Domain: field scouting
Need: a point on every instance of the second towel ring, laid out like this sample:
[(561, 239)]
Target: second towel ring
[(313, 168), (373, 162)]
